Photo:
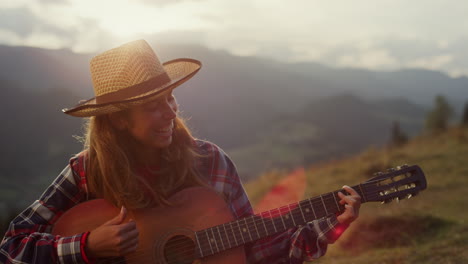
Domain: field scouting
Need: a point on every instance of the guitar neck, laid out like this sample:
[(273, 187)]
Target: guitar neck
[(229, 235)]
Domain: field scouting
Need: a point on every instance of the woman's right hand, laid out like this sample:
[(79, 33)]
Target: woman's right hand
[(113, 238)]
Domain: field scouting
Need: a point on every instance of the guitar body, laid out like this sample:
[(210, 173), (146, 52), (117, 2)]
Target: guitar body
[(167, 234)]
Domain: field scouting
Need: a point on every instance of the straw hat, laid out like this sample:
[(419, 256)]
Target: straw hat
[(131, 75)]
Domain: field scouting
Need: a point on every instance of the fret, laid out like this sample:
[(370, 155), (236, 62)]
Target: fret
[(205, 250), (307, 210), (272, 222), (336, 202), (214, 240), (362, 193), (234, 233), (278, 221), (247, 229), (225, 231), (264, 225), (313, 210), (240, 231), (199, 245), (281, 217), (297, 215), (286, 215), (256, 228), (221, 238), (209, 242), (302, 213), (291, 213), (324, 206)]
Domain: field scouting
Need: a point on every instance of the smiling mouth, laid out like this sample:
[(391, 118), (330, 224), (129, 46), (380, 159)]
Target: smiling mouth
[(165, 131)]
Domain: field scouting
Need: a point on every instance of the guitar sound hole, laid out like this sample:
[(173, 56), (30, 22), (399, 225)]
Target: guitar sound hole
[(179, 250)]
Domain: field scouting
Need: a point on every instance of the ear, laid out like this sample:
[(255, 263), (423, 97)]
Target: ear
[(118, 121)]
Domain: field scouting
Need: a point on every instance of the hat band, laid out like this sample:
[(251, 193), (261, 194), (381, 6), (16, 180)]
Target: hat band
[(134, 90)]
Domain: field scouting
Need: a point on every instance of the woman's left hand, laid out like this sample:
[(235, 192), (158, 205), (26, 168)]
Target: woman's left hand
[(352, 203)]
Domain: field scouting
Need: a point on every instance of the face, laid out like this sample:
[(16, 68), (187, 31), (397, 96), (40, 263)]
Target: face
[(152, 124)]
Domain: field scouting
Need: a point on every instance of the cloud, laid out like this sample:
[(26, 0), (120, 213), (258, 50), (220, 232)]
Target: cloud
[(434, 62), (54, 1), (18, 20), (161, 3), (370, 59), (387, 34), (20, 26)]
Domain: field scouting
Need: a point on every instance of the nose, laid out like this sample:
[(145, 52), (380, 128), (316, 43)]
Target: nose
[(170, 110)]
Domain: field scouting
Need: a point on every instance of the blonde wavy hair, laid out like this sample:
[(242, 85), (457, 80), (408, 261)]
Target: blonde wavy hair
[(111, 166)]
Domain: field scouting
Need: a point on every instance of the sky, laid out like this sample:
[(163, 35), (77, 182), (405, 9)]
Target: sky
[(371, 34)]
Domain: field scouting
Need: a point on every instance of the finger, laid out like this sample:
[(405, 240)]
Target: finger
[(130, 234), (130, 241), (129, 244), (341, 195), (119, 218), (350, 211), (350, 190), (127, 227), (129, 249), (349, 200)]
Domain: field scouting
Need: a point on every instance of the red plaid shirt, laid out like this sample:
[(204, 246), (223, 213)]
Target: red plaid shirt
[(28, 239)]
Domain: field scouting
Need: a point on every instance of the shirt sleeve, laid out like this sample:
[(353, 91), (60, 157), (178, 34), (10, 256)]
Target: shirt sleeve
[(29, 238), (295, 245)]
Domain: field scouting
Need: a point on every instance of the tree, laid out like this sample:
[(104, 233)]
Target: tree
[(398, 137), (464, 121), (437, 120)]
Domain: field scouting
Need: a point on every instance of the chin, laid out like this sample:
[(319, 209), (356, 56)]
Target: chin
[(163, 143)]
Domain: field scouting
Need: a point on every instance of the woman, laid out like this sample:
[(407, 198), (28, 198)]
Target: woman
[(137, 154)]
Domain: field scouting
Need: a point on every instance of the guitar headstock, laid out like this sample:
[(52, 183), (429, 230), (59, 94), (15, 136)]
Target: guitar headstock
[(397, 183)]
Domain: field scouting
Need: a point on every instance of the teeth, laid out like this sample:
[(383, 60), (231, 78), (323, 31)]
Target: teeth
[(165, 129)]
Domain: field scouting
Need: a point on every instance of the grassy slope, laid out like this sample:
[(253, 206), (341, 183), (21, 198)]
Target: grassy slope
[(430, 228)]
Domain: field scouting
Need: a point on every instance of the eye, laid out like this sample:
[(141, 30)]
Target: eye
[(151, 106), (171, 98)]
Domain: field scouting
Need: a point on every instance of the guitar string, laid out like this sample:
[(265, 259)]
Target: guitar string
[(279, 212), (295, 214), (189, 249), (255, 223)]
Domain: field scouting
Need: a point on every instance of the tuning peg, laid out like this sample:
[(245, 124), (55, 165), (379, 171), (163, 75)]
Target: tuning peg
[(409, 195), (404, 166), (397, 199), (390, 169)]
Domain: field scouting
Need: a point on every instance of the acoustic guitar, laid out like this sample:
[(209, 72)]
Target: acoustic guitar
[(199, 226)]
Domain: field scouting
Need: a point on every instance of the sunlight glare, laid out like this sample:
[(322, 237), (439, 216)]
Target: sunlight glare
[(124, 18)]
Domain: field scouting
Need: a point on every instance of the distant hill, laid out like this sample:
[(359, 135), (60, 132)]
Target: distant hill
[(43, 69), (429, 228), (264, 113), (233, 95), (331, 128)]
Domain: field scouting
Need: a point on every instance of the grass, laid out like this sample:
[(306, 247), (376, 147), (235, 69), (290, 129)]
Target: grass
[(430, 228)]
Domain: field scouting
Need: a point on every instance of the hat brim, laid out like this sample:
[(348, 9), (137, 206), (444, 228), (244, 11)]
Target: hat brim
[(178, 70)]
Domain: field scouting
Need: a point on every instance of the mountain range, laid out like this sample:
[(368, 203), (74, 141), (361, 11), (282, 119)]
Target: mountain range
[(263, 112)]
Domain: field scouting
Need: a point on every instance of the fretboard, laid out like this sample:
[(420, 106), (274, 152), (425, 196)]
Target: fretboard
[(229, 235)]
